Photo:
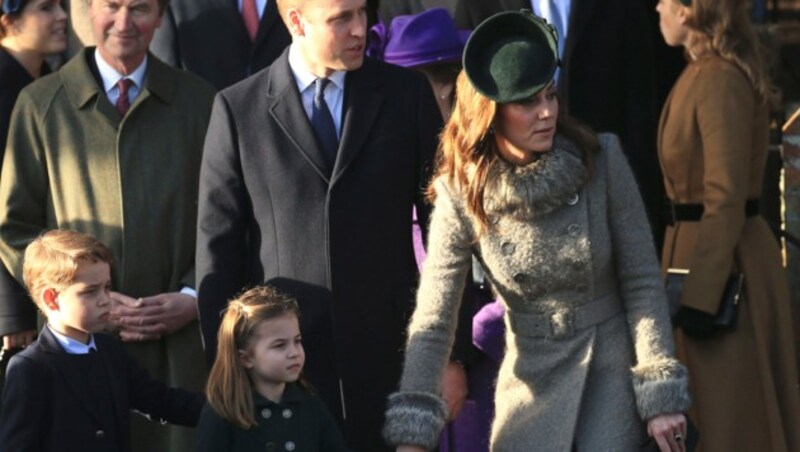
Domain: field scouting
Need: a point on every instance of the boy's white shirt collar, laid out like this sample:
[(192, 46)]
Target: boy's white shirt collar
[(72, 346)]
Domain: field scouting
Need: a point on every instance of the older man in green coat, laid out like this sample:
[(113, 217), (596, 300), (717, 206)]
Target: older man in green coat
[(120, 160)]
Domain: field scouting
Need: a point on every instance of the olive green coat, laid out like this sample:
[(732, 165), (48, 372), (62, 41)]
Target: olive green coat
[(73, 162), (713, 147)]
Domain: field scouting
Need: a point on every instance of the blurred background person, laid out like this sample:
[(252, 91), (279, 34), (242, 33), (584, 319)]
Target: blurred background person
[(222, 41), (30, 30), (713, 146)]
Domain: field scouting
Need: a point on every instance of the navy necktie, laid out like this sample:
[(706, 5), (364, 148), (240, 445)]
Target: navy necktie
[(322, 121)]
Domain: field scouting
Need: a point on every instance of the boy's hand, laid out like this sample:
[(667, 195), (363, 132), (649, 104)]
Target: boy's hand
[(147, 319)]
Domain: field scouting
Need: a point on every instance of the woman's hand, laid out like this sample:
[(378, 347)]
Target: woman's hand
[(410, 449), (669, 431)]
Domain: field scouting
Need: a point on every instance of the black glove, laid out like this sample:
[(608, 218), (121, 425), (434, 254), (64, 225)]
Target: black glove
[(696, 324)]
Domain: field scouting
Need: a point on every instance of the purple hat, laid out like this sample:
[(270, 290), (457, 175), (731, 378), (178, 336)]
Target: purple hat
[(417, 40)]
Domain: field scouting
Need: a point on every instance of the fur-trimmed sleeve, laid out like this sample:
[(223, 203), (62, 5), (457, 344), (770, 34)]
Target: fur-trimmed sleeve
[(416, 413), (659, 380)]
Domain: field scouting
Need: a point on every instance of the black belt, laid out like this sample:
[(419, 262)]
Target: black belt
[(674, 213)]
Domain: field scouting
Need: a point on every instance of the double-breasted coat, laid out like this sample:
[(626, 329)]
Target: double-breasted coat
[(588, 345), (72, 162), (713, 148), (335, 236), (299, 422)]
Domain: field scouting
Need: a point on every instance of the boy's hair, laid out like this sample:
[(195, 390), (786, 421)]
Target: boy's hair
[(229, 389), (52, 260)]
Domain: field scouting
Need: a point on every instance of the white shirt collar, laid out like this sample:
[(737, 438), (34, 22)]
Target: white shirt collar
[(304, 77), (71, 346), (111, 76)]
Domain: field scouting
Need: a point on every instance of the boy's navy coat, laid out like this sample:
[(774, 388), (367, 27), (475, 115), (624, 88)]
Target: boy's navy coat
[(47, 404)]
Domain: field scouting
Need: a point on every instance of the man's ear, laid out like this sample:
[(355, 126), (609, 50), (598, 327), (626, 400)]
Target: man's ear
[(50, 298), (294, 22), (246, 359)]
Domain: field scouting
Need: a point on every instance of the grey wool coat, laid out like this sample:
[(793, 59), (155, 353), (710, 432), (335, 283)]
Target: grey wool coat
[(589, 351)]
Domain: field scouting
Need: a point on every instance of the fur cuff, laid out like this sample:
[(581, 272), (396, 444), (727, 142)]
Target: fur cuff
[(414, 418), (661, 387)]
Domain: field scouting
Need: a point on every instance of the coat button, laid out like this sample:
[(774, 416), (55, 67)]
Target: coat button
[(287, 413), (574, 229), (289, 446), (508, 248), (520, 277), (266, 413), (269, 447), (573, 199), (100, 434)]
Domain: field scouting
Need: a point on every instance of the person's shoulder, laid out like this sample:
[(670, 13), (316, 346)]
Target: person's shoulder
[(390, 74), (32, 361), (714, 71), (185, 82)]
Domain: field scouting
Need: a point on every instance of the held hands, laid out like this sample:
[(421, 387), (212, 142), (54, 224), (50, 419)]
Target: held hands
[(669, 431), (454, 389), (149, 318), (410, 449)]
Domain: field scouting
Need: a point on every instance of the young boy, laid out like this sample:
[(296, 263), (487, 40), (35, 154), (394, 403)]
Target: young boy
[(73, 389)]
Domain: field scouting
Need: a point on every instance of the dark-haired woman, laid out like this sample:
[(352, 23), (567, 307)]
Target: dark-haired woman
[(553, 213), (713, 147), (29, 31)]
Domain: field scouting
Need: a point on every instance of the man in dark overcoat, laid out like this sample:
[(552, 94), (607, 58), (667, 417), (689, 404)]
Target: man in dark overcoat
[(320, 206)]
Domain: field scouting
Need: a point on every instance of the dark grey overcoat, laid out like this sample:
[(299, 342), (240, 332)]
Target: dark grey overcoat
[(338, 239)]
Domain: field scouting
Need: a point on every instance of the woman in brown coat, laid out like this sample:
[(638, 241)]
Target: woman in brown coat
[(712, 146)]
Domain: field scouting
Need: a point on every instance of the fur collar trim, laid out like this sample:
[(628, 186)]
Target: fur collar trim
[(536, 189)]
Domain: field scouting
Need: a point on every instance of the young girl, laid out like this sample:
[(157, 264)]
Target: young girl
[(256, 397)]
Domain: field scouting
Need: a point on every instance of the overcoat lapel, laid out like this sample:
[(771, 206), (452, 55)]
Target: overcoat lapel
[(362, 101), (84, 90), (267, 23), (288, 112), (73, 380), (578, 18)]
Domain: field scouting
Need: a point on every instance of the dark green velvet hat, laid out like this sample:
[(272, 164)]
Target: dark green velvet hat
[(511, 56)]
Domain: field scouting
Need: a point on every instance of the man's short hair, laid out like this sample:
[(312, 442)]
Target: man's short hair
[(285, 5), (52, 260), (162, 5)]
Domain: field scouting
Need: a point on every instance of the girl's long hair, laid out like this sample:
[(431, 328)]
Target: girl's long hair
[(724, 28), (468, 150), (229, 390)]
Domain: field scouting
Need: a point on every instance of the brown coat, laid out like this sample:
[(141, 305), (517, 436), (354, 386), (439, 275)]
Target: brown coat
[(713, 147)]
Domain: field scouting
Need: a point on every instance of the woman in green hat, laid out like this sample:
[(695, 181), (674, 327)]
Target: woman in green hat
[(713, 140), (554, 215)]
